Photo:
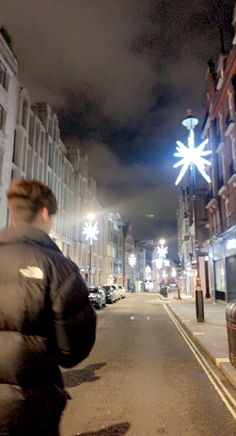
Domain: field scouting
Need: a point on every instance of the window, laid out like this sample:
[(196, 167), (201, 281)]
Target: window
[(50, 179), (37, 139), (29, 163), (3, 76), (31, 131), (51, 155), (16, 151), (233, 81), (220, 275), (2, 117), (1, 163), (24, 118), (24, 155), (42, 138)]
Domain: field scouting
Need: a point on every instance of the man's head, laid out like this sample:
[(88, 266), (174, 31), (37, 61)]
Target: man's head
[(31, 202)]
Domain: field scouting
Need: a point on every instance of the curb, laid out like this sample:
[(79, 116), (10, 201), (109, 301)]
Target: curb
[(225, 367)]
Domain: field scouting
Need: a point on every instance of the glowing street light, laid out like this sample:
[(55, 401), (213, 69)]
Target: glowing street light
[(90, 230), (132, 260), (173, 273), (162, 252), (191, 156), (132, 263)]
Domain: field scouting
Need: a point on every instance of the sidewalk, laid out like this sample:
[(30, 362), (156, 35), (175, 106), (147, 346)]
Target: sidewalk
[(210, 335)]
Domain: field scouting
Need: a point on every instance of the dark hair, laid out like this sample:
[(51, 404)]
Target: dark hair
[(27, 197)]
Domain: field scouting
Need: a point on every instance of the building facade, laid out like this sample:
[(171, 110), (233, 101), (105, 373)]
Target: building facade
[(8, 116), (31, 148), (220, 128)]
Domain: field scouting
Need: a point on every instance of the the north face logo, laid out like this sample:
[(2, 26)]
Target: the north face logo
[(32, 272)]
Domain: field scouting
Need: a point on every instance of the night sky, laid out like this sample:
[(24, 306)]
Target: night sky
[(121, 75)]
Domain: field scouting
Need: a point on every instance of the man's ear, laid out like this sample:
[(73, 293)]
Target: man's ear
[(45, 214)]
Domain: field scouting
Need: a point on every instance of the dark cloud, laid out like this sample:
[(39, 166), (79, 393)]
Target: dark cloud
[(121, 74)]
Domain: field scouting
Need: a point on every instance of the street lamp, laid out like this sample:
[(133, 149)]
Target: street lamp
[(132, 262), (193, 157), (90, 231), (161, 262)]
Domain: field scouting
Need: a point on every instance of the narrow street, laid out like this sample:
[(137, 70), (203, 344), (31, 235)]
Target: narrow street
[(142, 379)]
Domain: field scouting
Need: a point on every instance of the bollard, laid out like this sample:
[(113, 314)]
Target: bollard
[(230, 314), (199, 301)]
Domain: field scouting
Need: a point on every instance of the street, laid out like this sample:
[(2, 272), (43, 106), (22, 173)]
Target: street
[(142, 379)]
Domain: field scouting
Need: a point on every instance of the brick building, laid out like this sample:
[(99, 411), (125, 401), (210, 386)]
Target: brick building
[(220, 128)]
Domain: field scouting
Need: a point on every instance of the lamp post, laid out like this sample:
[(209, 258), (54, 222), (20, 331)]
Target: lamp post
[(90, 231), (132, 262), (193, 157), (161, 262)]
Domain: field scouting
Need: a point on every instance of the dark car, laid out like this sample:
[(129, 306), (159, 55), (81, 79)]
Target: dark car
[(110, 292), (97, 296)]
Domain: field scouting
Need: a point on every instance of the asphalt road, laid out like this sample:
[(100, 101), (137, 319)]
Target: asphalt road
[(142, 379)]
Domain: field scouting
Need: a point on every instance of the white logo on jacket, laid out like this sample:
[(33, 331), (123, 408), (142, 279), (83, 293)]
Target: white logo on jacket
[(32, 272)]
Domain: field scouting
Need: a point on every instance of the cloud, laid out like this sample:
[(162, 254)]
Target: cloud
[(121, 75)]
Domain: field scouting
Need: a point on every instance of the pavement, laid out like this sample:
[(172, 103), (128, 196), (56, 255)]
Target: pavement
[(211, 335)]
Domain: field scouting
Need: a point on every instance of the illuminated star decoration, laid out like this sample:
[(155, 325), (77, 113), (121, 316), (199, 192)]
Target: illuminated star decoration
[(90, 231), (162, 252), (132, 260), (191, 155)]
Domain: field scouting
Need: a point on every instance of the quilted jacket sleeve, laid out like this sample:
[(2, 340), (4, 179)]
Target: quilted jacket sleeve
[(74, 319)]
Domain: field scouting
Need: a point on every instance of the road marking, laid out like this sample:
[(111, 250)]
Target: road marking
[(222, 360), (198, 333), (222, 391)]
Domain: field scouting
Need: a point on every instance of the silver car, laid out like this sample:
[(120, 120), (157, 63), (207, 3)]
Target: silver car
[(97, 296)]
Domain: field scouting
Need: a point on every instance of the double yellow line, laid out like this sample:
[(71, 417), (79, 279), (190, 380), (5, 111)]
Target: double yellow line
[(223, 392)]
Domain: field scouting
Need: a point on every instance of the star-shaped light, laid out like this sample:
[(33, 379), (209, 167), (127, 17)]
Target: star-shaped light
[(191, 155), (132, 260), (162, 252), (90, 231)]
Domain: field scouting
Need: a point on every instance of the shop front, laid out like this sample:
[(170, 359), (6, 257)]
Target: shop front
[(222, 262)]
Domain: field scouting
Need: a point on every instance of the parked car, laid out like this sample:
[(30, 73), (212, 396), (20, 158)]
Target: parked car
[(97, 296), (122, 291), (111, 294), (119, 290)]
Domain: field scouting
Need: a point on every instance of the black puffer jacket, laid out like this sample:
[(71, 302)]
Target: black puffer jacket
[(46, 320)]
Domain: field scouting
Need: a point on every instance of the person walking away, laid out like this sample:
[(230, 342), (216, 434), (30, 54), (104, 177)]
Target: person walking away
[(46, 319)]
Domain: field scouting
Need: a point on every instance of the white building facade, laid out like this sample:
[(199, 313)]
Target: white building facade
[(8, 114)]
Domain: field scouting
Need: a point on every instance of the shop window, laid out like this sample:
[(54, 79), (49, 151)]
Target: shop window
[(220, 275)]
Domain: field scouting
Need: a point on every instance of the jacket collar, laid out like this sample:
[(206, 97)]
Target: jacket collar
[(27, 233)]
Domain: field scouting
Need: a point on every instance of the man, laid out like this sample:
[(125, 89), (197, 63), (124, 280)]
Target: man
[(46, 318)]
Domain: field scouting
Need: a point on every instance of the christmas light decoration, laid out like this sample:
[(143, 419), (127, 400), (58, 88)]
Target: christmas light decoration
[(132, 260), (90, 231), (192, 156), (162, 252)]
